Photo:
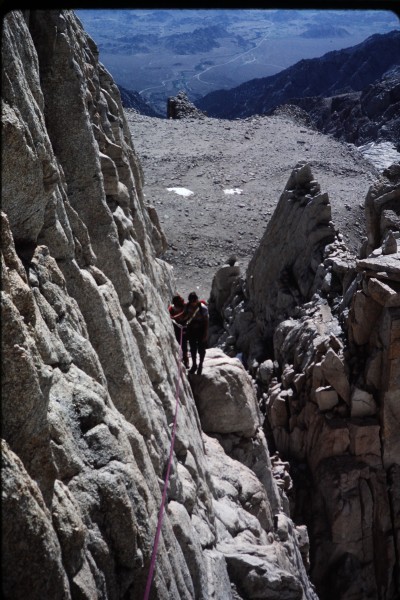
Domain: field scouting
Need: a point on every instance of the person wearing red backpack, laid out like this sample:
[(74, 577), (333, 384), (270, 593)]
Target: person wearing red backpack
[(177, 312), (196, 312)]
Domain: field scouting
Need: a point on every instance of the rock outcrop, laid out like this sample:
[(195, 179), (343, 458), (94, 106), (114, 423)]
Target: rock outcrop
[(360, 117), (90, 363), (180, 107), (319, 330), (382, 210), (228, 409), (277, 281), (132, 100)]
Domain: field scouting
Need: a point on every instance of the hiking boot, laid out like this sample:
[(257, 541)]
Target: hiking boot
[(193, 368), (199, 369)]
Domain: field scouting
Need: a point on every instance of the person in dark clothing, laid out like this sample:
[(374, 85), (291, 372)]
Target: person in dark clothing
[(197, 330), (177, 312)]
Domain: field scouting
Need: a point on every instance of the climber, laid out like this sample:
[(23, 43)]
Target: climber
[(178, 315), (197, 330)]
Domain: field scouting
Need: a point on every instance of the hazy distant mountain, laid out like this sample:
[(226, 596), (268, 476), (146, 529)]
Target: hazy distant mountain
[(372, 115), (202, 39), (337, 72), (324, 31), (159, 52)]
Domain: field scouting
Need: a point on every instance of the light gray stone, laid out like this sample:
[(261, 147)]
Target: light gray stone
[(326, 398), (225, 396), (265, 371), (333, 370), (362, 403)]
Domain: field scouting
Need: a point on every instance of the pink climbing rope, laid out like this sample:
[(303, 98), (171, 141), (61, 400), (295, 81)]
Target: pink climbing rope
[(164, 494)]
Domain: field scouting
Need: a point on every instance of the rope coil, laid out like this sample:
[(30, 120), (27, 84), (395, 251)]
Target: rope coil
[(166, 480)]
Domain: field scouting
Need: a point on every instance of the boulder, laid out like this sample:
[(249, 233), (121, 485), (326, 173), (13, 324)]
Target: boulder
[(180, 107), (221, 286), (333, 370), (326, 398), (362, 403), (265, 371), (225, 396), (383, 292), (255, 573)]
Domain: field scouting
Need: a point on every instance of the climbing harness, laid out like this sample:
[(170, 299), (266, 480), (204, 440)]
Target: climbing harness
[(166, 480)]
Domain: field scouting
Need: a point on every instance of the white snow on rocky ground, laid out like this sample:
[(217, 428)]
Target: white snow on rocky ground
[(233, 191), (181, 191), (381, 154)]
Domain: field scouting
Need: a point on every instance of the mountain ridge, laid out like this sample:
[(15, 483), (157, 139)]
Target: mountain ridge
[(140, 47), (359, 118), (338, 71), (133, 100)]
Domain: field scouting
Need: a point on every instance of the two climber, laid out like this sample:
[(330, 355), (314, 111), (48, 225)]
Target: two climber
[(191, 326)]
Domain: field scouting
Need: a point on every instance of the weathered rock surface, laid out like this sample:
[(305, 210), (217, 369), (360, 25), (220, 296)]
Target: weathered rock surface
[(89, 365), (382, 209), (225, 397), (322, 346), (277, 282), (180, 107), (359, 117)]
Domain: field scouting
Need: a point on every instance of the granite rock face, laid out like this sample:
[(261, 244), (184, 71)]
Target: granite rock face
[(90, 361), (282, 273), (225, 398), (382, 211), (322, 347)]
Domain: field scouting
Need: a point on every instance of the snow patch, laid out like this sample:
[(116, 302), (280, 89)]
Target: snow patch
[(181, 191), (381, 154), (233, 191)]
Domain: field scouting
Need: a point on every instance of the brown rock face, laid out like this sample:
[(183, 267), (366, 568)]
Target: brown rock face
[(331, 400)]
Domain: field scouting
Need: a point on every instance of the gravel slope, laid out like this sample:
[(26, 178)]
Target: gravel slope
[(255, 155)]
